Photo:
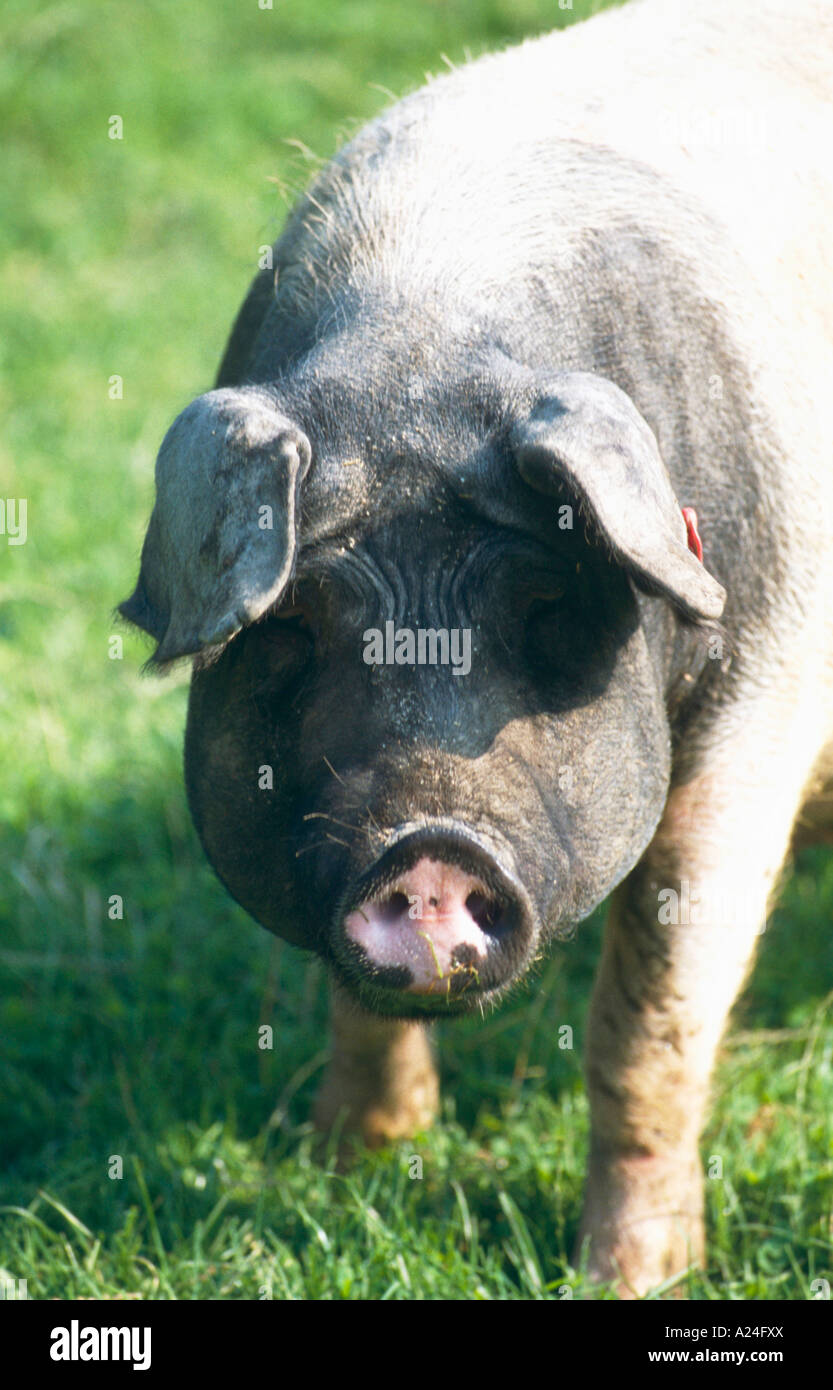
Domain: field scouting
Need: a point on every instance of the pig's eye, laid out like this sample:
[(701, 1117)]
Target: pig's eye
[(293, 621), (543, 623), (542, 603), (288, 635)]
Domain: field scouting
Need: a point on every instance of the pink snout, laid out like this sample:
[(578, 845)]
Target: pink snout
[(434, 922)]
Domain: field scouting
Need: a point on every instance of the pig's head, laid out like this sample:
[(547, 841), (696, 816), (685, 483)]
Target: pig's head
[(434, 632)]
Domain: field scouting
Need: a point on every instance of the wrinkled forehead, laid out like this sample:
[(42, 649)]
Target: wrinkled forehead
[(391, 441), (409, 485), (444, 550), (421, 513)]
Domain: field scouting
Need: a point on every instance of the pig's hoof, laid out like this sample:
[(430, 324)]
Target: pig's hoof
[(639, 1258), (639, 1238)]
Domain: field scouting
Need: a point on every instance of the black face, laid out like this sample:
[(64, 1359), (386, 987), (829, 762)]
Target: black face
[(423, 824)]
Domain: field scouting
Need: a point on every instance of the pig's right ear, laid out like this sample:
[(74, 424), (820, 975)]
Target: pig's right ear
[(221, 542), (587, 433)]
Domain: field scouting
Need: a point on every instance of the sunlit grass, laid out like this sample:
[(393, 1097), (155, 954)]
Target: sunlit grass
[(134, 1037)]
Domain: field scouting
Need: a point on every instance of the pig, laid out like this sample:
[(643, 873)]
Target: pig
[(542, 369)]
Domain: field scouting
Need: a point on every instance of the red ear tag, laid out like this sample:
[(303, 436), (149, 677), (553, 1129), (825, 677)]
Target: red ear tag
[(695, 544)]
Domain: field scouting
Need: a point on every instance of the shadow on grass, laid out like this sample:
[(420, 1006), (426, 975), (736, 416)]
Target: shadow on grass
[(138, 1037)]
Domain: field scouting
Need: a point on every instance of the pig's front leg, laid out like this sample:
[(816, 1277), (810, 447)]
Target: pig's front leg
[(663, 994), (381, 1082)]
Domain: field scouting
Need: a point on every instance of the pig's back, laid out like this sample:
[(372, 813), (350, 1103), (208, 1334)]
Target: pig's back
[(703, 131)]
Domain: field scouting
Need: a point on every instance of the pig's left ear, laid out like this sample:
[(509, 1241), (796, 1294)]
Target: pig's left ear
[(221, 542), (585, 432)]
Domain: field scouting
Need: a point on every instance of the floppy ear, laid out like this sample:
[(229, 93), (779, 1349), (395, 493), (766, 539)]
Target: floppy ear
[(585, 432), (221, 542)]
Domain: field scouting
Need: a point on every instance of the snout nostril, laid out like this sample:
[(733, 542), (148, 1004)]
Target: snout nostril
[(392, 908), (487, 913), (433, 921)]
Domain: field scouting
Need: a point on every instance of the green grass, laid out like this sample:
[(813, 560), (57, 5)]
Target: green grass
[(138, 1037)]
